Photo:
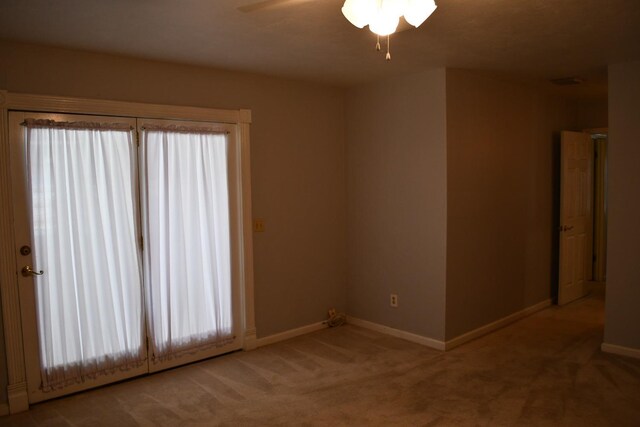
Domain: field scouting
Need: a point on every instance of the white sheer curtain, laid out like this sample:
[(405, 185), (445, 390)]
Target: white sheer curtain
[(187, 262), (89, 300)]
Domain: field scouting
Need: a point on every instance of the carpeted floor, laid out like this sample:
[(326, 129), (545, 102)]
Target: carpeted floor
[(544, 370)]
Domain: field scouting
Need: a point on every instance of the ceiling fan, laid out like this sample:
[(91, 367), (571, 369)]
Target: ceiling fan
[(384, 17), (266, 4)]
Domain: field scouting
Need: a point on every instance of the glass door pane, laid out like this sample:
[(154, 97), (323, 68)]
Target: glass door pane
[(81, 200), (187, 234)]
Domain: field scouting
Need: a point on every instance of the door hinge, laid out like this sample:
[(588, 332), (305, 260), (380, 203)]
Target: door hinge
[(137, 138)]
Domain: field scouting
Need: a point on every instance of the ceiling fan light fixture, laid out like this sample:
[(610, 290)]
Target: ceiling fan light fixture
[(359, 12), (392, 7), (383, 16), (384, 24), (418, 11)]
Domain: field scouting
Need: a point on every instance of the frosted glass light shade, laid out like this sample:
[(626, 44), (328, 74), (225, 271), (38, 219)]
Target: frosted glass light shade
[(386, 16), (383, 16), (393, 7), (384, 25), (418, 11), (359, 12)]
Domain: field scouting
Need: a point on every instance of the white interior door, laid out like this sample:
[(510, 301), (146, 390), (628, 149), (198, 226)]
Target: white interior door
[(576, 214), (75, 210)]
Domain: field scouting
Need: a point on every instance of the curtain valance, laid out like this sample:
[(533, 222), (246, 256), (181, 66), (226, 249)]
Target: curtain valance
[(46, 123), (183, 129)]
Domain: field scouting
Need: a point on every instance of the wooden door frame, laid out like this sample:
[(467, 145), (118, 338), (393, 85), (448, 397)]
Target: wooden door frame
[(599, 221), (14, 346)]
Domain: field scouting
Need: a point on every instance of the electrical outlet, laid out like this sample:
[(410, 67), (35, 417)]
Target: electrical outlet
[(393, 300)]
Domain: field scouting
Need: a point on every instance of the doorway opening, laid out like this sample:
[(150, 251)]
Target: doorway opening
[(583, 214)]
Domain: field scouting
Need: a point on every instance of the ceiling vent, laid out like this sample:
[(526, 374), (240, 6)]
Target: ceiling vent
[(567, 81)]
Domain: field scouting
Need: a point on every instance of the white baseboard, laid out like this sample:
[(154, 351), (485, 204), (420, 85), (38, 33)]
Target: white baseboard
[(498, 324), (292, 333), (4, 409), (620, 350), (457, 341), (418, 339)]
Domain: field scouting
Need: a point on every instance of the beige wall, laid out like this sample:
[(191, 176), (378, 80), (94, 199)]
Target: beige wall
[(501, 208), (592, 114), (397, 202), (622, 321), (298, 163)]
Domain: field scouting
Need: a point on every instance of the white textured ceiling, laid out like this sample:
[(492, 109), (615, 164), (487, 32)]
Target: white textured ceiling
[(311, 40)]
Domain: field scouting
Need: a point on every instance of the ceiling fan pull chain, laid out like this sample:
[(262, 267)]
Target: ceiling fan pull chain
[(378, 44), (388, 57)]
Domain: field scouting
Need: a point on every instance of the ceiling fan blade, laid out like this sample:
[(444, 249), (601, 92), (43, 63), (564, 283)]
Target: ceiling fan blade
[(265, 4)]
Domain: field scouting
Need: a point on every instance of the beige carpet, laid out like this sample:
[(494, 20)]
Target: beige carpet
[(544, 370)]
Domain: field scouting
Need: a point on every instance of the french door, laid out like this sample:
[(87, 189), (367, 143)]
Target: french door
[(189, 233), (127, 233)]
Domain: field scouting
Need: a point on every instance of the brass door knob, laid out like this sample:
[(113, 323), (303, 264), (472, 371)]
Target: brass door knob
[(28, 271)]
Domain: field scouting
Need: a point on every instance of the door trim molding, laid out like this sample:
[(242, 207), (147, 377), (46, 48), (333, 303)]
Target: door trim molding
[(16, 374), (16, 378)]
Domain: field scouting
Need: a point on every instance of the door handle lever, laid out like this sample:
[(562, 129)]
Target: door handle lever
[(28, 271)]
